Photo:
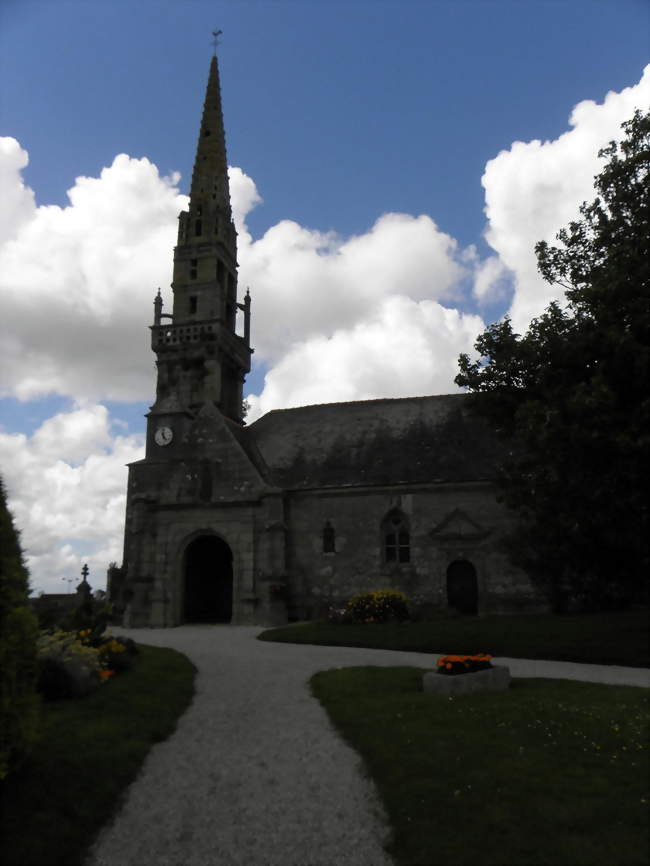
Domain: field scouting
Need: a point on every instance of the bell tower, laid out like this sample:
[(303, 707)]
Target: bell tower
[(200, 357), (195, 499)]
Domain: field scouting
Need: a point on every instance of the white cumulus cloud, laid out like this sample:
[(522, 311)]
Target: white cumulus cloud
[(66, 487), (77, 283), (536, 188), (402, 348), (308, 284), (18, 203)]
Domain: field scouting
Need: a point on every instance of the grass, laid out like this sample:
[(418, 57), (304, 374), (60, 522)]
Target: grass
[(548, 772), (90, 750), (617, 637)]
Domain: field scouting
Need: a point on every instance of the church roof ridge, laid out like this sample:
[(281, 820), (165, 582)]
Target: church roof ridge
[(375, 400)]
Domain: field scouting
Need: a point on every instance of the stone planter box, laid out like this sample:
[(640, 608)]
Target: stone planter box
[(494, 679)]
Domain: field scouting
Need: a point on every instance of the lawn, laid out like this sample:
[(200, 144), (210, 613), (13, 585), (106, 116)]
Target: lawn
[(91, 749), (617, 637), (548, 772)]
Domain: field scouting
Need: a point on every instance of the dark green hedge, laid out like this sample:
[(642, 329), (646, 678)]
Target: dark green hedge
[(19, 702)]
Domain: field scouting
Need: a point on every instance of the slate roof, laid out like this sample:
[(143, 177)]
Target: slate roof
[(373, 442)]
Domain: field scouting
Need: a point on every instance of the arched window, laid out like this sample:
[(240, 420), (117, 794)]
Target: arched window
[(329, 538), (396, 538)]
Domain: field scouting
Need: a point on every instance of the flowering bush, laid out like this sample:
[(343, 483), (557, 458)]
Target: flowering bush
[(463, 664), (382, 605), (114, 656), (115, 653), (72, 664), (67, 668)]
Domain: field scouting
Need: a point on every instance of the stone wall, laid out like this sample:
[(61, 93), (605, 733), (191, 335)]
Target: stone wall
[(162, 557), (447, 523)]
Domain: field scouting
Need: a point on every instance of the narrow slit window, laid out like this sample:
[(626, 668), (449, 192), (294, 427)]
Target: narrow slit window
[(194, 304), (193, 268), (198, 228)]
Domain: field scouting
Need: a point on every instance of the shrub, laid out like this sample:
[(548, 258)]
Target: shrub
[(114, 655), (19, 702), (130, 644), (382, 605), (67, 667), (92, 614)]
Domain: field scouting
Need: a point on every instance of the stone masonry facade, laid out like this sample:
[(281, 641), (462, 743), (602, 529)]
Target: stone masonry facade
[(295, 513)]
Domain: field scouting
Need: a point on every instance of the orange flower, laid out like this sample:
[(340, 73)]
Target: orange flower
[(106, 674)]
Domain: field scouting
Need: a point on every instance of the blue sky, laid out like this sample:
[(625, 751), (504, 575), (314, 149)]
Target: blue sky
[(340, 111), (336, 113)]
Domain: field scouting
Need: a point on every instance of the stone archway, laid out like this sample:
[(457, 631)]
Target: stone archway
[(462, 587), (207, 580)]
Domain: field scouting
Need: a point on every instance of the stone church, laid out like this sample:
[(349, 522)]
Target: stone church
[(293, 514)]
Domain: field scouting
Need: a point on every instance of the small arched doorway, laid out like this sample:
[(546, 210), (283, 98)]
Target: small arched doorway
[(462, 587), (207, 581)]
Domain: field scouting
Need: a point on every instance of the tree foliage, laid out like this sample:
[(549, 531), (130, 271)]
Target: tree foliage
[(571, 396), (19, 704)]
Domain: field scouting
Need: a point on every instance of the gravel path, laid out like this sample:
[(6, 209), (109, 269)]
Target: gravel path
[(255, 774)]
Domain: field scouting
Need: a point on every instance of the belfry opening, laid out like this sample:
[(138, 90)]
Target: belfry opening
[(207, 581)]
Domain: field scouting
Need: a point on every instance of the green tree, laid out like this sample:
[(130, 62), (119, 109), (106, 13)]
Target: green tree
[(19, 703), (571, 396)]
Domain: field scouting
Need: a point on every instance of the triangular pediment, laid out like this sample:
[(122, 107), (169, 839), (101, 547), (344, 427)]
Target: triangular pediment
[(459, 526)]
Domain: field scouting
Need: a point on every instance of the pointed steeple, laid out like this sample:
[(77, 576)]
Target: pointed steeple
[(201, 357), (210, 175)]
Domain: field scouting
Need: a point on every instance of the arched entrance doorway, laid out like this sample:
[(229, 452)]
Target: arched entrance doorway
[(462, 587), (207, 583)]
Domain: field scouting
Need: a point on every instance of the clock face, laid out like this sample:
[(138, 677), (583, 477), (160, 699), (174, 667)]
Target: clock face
[(163, 436)]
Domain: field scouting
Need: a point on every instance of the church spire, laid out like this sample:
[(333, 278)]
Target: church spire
[(210, 175), (201, 356)]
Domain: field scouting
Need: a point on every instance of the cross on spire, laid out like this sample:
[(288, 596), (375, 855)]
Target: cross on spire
[(84, 571), (215, 40)]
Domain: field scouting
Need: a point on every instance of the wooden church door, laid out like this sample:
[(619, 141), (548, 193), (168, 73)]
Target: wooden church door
[(462, 587), (208, 581)]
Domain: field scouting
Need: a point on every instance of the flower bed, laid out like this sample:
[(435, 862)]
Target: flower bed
[(382, 605), (72, 664), (451, 665)]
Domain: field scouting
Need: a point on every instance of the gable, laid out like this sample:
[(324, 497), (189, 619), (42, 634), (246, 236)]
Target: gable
[(226, 471), (458, 526)]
